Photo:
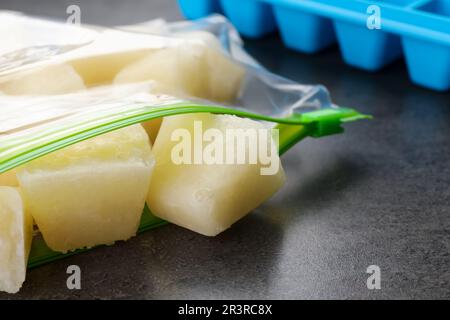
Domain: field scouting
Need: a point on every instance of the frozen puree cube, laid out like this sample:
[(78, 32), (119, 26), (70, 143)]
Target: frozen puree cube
[(191, 68), (207, 198), (16, 231), (90, 193), (174, 69), (55, 79), (195, 67)]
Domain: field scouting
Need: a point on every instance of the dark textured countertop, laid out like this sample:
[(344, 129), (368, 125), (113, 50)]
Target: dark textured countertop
[(377, 195)]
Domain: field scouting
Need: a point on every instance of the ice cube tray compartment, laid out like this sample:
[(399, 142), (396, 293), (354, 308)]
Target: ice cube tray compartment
[(419, 30), (195, 9)]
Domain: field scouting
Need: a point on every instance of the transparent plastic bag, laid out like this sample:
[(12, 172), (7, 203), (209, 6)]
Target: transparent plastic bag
[(262, 91), (36, 54), (31, 43), (59, 85)]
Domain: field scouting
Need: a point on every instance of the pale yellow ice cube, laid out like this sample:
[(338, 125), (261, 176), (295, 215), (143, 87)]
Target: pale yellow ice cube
[(16, 231), (207, 198), (191, 68), (90, 193)]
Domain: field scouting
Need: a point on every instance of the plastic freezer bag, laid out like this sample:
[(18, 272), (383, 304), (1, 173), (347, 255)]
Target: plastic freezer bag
[(72, 88), (99, 56)]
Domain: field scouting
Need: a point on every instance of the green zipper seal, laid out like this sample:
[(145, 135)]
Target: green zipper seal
[(292, 129)]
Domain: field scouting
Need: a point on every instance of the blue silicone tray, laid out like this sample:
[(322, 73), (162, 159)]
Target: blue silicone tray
[(417, 29)]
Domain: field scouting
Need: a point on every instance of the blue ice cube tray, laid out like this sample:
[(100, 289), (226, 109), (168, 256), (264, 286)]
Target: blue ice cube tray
[(417, 29)]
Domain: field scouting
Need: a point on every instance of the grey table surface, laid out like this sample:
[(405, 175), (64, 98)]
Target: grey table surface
[(377, 195)]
